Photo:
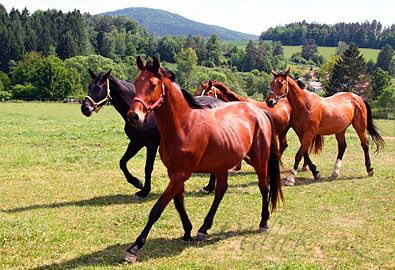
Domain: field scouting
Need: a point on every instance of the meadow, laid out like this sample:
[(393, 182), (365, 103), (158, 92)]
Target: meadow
[(324, 51), (65, 204)]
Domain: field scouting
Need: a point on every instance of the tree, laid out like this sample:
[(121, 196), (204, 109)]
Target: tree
[(380, 80), (277, 48), (385, 58), (213, 50), (341, 47), (349, 74), (251, 56), (309, 48), (186, 63), (326, 70)]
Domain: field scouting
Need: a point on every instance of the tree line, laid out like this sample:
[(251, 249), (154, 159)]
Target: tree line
[(364, 35)]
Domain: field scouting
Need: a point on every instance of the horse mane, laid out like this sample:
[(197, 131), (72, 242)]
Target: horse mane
[(220, 86)]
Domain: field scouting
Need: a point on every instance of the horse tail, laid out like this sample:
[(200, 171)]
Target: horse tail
[(274, 171), (317, 144), (372, 129)]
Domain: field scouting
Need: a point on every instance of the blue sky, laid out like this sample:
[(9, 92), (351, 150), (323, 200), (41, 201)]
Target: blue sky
[(249, 16)]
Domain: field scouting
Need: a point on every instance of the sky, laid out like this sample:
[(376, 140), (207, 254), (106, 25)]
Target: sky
[(248, 16)]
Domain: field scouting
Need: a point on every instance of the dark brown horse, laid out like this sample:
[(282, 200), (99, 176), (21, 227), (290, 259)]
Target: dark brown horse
[(313, 115), (195, 139)]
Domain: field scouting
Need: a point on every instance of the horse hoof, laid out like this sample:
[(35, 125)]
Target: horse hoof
[(187, 238), (290, 181), (371, 173), (334, 175), (317, 176), (130, 257), (263, 229), (137, 198), (201, 236)]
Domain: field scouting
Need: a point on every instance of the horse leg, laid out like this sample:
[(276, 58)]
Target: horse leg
[(264, 189), (282, 139), (210, 185), (341, 145), (173, 188), (149, 166), (220, 189), (365, 146), (311, 166), (305, 143), (186, 223), (237, 167), (132, 150)]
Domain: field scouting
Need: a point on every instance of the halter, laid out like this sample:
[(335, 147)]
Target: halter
[(98, 105), (156, 104), (215, 92), (283, 95)]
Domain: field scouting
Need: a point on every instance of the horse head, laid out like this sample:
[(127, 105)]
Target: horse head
[(98, 93), (279, 88), (150, 86)]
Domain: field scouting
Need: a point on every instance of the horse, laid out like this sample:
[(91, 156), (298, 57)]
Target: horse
[(281, 114), (314, 116), (197, 139), (105, 87)]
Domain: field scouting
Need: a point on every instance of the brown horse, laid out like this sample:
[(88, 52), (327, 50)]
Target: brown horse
[(313, 115), (196, 139), (281, 115)]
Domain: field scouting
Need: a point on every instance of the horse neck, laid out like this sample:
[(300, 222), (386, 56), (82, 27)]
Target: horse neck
[(228, 94), (297, 97), (173, 115), (121, 96)]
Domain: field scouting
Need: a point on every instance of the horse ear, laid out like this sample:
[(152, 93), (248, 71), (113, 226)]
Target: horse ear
[(93, 75), (106, 76), (156, 64), (210, 84), (287, 72), (140, 63), (274, 73)]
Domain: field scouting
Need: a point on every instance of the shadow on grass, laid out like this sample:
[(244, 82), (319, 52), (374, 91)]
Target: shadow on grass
[(154, 249), (116, 199), (310, 181)]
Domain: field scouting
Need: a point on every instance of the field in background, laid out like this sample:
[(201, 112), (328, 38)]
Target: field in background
[(325, 51), (64, 203)]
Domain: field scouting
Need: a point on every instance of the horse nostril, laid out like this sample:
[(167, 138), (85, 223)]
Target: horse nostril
[(133, 118)]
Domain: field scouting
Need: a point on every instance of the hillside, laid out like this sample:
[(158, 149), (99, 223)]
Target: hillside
[(164, 23)]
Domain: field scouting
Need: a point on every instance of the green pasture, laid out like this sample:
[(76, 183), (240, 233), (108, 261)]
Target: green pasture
[(64, 203), (325, 51)]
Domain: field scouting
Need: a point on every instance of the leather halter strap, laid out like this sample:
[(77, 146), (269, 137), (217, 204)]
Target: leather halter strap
[(281, 96), (155, 105), (215, 92), (99, 104)]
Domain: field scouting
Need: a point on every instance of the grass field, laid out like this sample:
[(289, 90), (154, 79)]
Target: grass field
[(325, 51), (64, 203)]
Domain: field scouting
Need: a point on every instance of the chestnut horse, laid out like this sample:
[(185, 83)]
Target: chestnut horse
[(314, 115), (281, 114), (196, 139)]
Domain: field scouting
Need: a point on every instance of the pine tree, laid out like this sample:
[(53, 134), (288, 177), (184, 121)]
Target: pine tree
[(251, 56), (385, 57), (349, 74)]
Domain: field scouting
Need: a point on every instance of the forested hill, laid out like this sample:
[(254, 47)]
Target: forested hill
[(164, 23)]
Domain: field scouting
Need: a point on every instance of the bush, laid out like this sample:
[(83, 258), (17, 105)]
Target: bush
[(24, 92)]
